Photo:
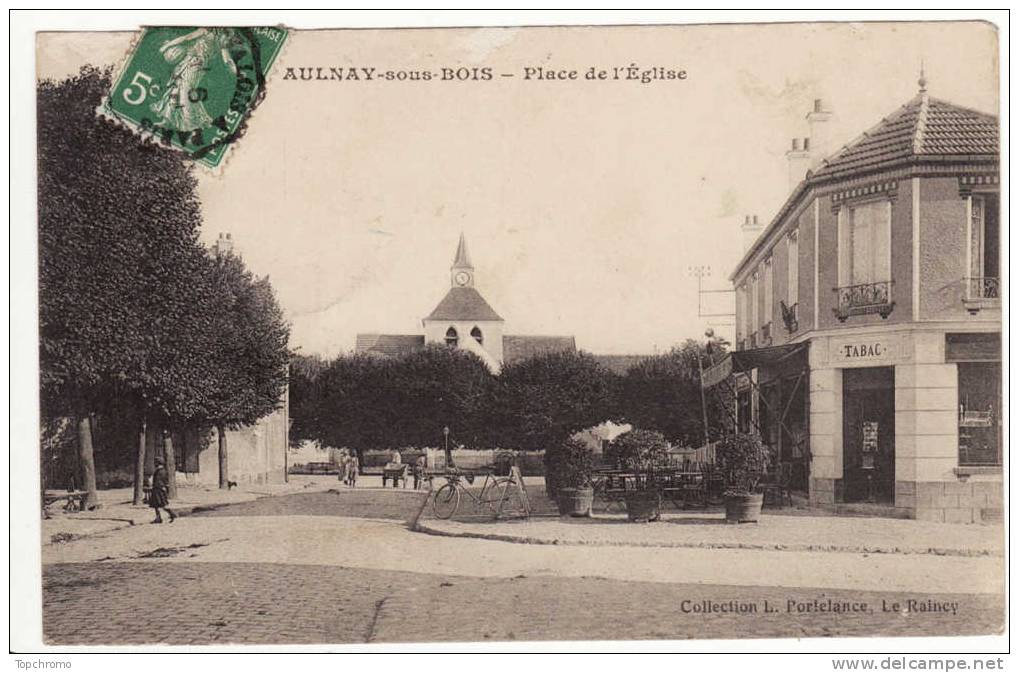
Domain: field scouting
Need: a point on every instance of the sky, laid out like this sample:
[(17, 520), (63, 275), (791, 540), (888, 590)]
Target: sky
[(585, 203)]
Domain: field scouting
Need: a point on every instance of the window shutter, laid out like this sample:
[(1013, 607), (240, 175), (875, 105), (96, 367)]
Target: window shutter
[(882, 242), (793, 250), (845, 242)]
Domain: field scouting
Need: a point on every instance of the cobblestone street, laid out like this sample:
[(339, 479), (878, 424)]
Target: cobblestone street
[(196, 603), (343, 567)]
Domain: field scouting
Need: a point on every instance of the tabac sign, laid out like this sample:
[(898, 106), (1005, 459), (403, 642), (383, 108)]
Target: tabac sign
[(867, 350)]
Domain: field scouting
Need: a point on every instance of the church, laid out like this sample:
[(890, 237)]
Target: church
[(463, 319)]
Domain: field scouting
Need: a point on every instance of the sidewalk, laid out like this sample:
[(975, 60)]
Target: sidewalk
[(708, 530), (118, 512)]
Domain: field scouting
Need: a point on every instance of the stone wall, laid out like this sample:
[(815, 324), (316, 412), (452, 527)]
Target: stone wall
[(970, 501)]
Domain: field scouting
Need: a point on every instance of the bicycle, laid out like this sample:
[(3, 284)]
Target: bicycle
[(494, 493)]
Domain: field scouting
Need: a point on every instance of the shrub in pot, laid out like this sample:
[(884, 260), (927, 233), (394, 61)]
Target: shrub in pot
[(743, 459), (568, 469), (644, 453)]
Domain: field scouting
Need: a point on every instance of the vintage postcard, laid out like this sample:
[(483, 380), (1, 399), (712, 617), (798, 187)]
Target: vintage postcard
[(511, 334)]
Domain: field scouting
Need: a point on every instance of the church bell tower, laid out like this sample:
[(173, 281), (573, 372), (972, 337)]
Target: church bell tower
[(461, 274)]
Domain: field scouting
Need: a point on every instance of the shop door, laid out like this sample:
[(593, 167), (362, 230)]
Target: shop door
[(868, 435)]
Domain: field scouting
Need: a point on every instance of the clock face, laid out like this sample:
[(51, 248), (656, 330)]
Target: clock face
[(462, 278)]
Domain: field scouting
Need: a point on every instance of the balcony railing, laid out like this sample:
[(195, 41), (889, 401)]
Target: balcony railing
[(765, 338), (863, 299), (981, 292), (790, 316)]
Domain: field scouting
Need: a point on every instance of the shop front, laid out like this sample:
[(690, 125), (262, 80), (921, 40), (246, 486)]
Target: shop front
[(897, 421)]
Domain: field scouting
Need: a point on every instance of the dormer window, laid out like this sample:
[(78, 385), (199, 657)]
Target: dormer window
[(452, 338), (476, 333)]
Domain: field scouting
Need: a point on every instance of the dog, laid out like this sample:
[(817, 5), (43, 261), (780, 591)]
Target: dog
[(231, 485)]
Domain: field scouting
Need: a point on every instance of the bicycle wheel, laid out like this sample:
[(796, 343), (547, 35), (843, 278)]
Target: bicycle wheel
[(494, 494), (445, 501)]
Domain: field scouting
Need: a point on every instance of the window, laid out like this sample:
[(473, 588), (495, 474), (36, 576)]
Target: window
[(865, 244), (864, 260), (793, 269), (476, 333), (984, 237), (452, 339), (979, 413)]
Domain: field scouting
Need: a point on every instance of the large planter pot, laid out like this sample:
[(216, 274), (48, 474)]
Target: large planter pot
[(743, 508), (643, 506), (575, 501)]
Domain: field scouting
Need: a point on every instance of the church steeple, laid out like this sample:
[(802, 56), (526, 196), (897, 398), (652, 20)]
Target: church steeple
[(461, 274)]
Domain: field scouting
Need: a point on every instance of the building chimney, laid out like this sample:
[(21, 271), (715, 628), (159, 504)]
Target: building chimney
[(799, 161), (751, 230), (820, 145), (224, 244)]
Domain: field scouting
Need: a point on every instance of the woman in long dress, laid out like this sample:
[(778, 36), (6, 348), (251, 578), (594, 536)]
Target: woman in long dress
[(181, 105), (159, 498), (343, 462)]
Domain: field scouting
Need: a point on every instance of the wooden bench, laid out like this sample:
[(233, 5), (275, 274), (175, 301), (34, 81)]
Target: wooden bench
[(74, 501)]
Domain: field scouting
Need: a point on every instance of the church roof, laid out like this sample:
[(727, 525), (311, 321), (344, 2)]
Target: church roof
[(463, 303), (389, 344), (619, 364), (462, 260), (517, 347), (923, 128)]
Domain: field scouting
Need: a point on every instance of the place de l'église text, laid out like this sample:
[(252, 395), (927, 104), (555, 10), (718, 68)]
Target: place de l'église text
[(632, 73)]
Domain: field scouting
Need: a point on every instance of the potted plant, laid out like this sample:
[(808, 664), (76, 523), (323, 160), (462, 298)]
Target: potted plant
[(568, 469), (743, 459), (643, 453)]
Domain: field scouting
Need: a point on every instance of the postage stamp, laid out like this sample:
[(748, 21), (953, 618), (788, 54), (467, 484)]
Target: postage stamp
[(194, 88)]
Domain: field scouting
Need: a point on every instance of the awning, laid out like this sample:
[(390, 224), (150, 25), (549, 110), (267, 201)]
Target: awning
[(743, 361)]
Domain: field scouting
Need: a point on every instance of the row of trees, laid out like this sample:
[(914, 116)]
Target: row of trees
[(362, 401), (139, 321)]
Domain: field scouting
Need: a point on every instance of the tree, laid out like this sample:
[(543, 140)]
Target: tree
[(542, 401), (306, 397), (244, 362), (118, 250), (663, 393), (364, 401)]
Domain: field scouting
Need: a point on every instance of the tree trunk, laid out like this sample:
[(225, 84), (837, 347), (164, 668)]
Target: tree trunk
[(171, 463), (88, 463), (224, 473), (139, 467)]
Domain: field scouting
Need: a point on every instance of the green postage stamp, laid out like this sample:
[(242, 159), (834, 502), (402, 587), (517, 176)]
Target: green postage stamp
[(194, 88)]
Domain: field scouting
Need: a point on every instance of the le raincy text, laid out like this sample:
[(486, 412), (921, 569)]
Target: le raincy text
[(622, 73)]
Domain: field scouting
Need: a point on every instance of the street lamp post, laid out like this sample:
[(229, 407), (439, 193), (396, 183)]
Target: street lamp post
[(709, 333), (445, 438)]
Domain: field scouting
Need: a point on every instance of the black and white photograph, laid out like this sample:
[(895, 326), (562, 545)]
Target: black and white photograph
[(510, 336)]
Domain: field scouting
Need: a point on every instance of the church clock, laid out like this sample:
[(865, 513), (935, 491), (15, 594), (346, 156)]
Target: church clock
[(462, 278)]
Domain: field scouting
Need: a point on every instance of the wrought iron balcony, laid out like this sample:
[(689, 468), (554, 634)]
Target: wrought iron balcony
[(981, 292), (790, 316), (863, 299)]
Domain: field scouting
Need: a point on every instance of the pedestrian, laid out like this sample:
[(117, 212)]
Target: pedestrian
[(159, 498), (419, 470), (343, 462), (353, 466)]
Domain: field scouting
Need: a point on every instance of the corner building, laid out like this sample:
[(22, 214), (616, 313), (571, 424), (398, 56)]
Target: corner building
[(868, 319)]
